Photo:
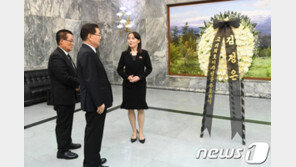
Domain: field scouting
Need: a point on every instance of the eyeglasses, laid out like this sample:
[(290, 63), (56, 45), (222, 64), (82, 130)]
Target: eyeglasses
[(69, 40), (97, 35)]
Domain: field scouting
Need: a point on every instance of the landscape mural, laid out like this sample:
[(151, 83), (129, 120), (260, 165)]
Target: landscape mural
[(184, 25)]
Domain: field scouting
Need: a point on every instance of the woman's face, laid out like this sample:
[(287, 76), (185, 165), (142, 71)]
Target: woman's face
[(132, 41)]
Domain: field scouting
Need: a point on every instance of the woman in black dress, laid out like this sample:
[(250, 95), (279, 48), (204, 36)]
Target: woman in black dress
[(134, 66)]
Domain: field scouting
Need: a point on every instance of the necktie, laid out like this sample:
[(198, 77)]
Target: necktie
[(69, 57)]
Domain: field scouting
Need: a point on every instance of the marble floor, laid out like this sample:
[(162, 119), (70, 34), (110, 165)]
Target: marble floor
[(172, 129)]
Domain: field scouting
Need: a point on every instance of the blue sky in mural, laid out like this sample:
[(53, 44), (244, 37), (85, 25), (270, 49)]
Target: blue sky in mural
[(258, 10)]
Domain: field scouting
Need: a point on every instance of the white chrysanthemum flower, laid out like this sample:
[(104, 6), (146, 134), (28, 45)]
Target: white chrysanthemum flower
[(245, 42)]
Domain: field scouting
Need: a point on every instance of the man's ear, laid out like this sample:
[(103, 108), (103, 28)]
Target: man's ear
[(88, 35), (60, 42)]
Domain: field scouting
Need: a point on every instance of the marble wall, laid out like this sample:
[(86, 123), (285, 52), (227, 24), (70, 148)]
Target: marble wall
[(44, 17)]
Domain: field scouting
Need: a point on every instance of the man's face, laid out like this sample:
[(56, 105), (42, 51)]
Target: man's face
[(67, 44), (96, 38)]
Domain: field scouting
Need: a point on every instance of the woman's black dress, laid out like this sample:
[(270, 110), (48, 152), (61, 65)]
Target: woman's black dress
[(134, 94)]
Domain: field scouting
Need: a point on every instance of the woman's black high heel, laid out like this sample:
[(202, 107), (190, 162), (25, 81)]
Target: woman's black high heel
[(133, 140), (141, 141)]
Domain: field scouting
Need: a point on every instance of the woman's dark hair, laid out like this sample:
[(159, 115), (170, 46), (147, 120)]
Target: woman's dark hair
[(62, 34), (86, 29), (137, 36)]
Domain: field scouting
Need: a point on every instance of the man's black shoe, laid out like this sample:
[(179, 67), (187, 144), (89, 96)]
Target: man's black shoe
[(103, 160), (66, 155), (74, 146)]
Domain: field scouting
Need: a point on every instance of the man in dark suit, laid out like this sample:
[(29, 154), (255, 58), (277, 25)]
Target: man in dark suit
[(95, 92), (64, 84)]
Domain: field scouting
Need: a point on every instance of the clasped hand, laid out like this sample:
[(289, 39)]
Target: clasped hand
[(133, 78), (77, 89), (101, 109)]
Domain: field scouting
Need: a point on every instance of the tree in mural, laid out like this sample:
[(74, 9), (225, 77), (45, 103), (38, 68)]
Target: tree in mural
[(175, 38), (183, 51)]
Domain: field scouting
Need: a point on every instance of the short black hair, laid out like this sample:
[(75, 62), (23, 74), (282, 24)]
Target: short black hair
[(86, 29), (62, 34)]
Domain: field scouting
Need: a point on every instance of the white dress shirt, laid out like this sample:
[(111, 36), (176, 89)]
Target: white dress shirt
[(91, 47), (67, 54), (64, 51)]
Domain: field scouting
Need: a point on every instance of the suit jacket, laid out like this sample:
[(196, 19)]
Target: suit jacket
[(95, 88), (140, 67), (63, 77)]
